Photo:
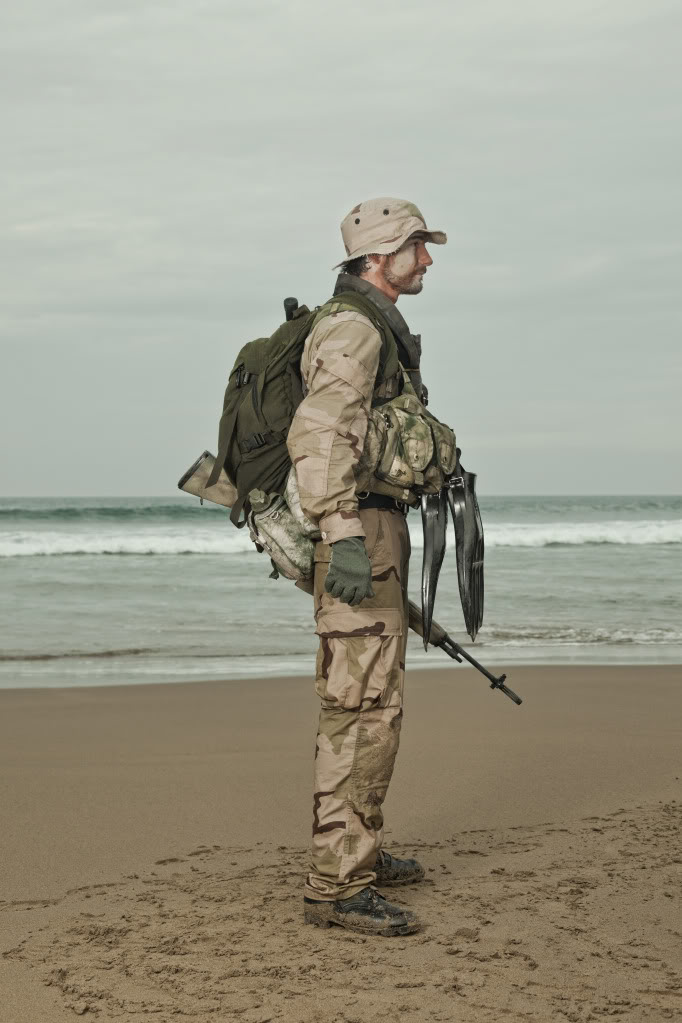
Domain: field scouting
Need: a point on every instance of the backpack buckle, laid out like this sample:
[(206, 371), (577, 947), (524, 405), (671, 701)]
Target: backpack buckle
[(256, 440)]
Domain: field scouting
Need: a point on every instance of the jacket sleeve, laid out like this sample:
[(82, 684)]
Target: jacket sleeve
[(327, 435)]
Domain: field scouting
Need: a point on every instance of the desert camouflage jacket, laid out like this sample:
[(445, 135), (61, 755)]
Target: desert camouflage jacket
[(339, 369)]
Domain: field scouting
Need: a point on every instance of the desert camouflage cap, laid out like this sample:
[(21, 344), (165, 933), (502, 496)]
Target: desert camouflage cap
[(382, 226)]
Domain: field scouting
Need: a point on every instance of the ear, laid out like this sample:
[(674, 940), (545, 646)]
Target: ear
[(376, 260)]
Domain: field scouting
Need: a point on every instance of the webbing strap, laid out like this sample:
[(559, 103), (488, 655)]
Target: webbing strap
[(225, 434), (239, 504), (259, 440)]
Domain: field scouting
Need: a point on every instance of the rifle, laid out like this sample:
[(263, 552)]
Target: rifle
[(440, 638)]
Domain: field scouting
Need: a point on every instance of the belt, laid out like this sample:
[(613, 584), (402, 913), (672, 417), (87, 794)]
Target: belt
[(383, 501)]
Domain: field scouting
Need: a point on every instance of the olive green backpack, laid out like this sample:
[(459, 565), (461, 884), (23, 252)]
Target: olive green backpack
[(265, 389)]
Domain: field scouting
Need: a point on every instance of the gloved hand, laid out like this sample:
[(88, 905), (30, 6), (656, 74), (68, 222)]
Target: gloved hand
[(350, 574)]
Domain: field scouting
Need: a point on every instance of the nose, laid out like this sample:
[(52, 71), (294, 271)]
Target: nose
[(424, 257)]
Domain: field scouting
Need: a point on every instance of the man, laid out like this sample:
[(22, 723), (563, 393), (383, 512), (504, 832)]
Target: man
[(361, 563)]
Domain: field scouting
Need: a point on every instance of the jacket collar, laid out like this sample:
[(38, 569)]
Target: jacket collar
[(411, 342)]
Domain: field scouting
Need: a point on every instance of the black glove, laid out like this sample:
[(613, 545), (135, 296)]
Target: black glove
[(350, 574)]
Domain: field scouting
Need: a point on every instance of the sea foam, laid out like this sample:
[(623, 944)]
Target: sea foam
[(221, 538)]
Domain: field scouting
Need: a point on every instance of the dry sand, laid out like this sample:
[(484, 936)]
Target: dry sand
[(153, 847)]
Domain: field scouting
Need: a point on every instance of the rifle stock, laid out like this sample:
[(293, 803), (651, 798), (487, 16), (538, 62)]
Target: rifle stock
[(438, 634)]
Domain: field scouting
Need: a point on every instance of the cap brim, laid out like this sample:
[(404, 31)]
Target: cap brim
[(388, 248), (436, 237)]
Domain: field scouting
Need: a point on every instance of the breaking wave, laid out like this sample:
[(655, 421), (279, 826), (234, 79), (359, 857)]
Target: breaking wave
[(99, 510), (126, 541), (565, 635), (575, 534), (219, 538), (60, 656)]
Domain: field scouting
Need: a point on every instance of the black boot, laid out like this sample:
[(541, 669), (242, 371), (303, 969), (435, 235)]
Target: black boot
[(368, 912), (391, 871)]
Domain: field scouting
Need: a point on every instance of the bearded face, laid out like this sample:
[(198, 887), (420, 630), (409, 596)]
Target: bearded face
[(404, 270)]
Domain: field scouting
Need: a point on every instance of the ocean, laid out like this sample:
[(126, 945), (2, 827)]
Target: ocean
[(118, 591)]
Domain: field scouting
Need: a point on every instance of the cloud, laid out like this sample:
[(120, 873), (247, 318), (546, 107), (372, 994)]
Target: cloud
[(173, 171)]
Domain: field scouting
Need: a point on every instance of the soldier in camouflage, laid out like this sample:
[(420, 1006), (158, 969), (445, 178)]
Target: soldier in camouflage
[(361, 567)]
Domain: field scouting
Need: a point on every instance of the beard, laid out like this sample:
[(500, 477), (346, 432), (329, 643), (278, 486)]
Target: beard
[(410, 283)]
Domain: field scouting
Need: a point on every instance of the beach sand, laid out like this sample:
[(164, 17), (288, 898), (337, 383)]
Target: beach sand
[(153, 846)]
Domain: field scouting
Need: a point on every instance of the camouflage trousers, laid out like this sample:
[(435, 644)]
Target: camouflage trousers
[(359, 678)]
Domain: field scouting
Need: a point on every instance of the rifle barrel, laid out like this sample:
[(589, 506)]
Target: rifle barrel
[(440, 638)]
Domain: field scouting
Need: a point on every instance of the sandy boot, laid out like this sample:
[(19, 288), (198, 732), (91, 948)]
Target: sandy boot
[(391, 871), (368, 912)]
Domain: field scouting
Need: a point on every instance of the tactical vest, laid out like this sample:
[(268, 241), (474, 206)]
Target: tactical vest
[(407, 450)]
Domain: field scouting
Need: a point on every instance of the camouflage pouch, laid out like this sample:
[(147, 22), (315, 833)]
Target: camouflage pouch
[(406, 449), (293, 499), (445, 445), (274, 529), (373, 449)]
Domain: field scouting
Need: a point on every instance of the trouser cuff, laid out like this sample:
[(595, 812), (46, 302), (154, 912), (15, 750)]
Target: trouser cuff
[(323, 891)]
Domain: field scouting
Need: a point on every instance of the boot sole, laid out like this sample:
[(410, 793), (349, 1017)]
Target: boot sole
[(320, 916)]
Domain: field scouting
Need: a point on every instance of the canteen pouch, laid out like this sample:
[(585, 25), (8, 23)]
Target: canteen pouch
[(293, 500), (274, 529)]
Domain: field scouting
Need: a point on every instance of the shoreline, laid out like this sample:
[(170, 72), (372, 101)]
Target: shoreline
[(498, 666)]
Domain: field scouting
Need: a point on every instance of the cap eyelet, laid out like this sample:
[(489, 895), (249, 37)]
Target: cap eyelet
[(385, 213), (357, 220)]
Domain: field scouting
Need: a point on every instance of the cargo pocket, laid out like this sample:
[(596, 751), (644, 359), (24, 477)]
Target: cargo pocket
[(372, 452), (409, 448), (417, 441), (358, 662), (393, 465), (445, 445)]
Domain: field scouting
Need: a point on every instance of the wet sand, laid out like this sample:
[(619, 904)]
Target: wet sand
[(152, 841)]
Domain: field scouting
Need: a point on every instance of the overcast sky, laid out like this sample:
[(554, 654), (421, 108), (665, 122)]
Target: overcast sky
[(172, 170)]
